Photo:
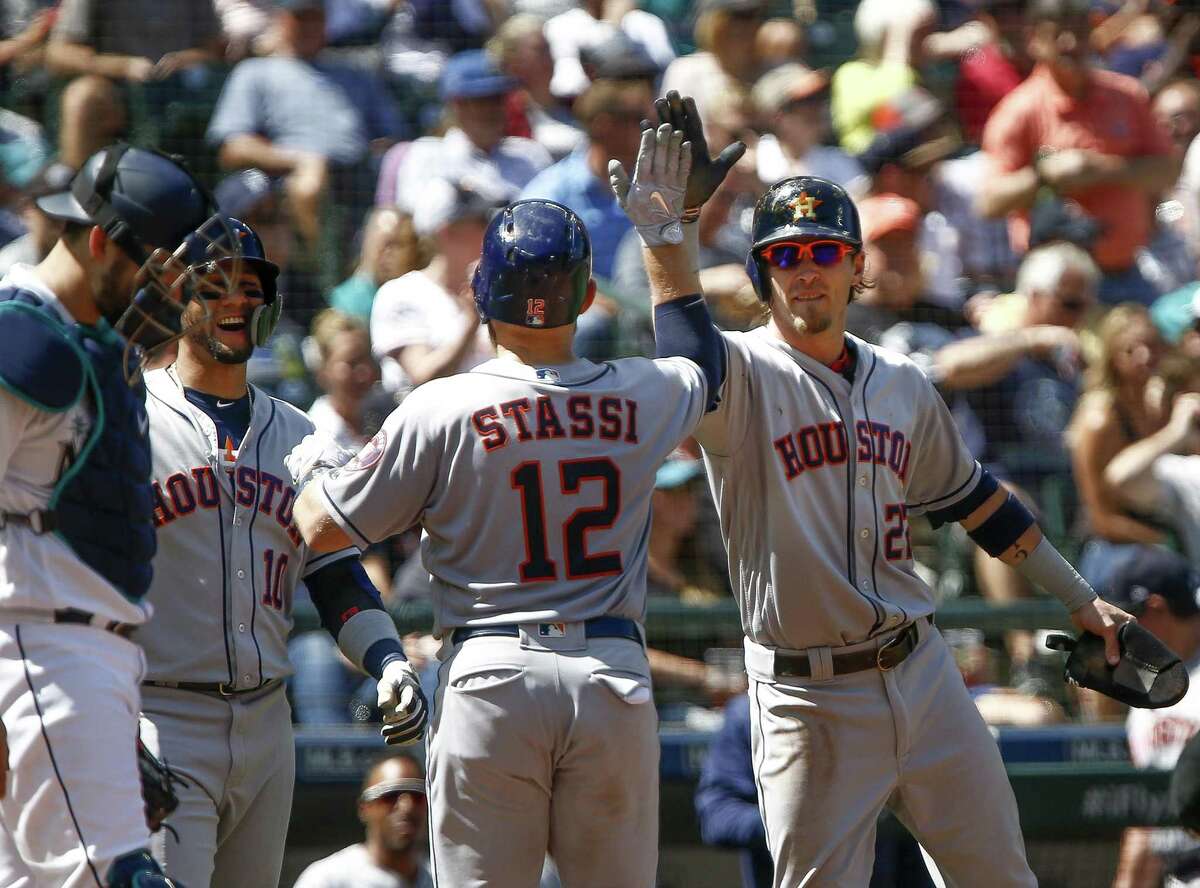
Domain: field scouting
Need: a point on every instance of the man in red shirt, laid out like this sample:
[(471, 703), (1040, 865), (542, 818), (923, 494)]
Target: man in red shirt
[(1084, 134)]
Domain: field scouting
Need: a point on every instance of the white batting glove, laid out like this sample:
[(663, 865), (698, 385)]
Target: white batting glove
[(653, 200), (315, 455), (405, 710)]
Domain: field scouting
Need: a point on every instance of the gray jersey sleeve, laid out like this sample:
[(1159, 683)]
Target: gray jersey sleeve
[(385, 488), (723, 430), (943, 471)]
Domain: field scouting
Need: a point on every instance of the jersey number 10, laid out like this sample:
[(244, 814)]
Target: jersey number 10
[(538, 566)]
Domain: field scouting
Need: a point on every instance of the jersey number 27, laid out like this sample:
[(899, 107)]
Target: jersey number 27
[(538, 566)]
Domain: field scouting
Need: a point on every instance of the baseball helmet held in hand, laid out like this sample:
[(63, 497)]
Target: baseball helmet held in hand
[(1149, 675), (800, 208), (535, 266)]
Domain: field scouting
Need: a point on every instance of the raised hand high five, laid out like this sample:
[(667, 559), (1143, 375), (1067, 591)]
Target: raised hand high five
[(707, 173)]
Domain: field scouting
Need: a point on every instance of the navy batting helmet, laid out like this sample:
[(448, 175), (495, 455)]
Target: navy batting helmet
[(535, 266), (800, 208), (224, 241)]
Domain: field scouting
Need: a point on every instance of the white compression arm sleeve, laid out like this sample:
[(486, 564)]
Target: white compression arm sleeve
[(1048, 569)]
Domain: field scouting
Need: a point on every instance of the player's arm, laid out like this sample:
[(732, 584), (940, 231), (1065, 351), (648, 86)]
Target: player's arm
[(316, 523), (351, 610), (1003, 527), (674, 177)]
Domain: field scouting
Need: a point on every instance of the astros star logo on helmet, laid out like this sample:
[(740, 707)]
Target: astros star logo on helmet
[(804, 206)]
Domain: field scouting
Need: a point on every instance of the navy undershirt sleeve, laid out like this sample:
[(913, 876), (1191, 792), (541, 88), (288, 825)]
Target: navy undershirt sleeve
[(683, 328)]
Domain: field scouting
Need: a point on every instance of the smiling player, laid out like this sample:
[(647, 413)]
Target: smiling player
[(228, 564)]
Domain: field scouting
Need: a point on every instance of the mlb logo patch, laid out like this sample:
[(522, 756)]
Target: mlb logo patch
[(548, 374), (552, 630)]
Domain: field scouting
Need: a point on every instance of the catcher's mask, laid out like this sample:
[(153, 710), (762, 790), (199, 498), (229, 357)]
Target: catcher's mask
[(147, 203)]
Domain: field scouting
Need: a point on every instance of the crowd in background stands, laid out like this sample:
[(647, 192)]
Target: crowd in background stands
[(1028, 176)]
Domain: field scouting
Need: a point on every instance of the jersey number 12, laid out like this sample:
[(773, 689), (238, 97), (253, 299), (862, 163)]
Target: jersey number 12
[(573, 474)]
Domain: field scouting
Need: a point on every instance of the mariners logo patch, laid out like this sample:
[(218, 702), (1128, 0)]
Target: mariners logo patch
[(804, 206), (552, 630), (370, 454)]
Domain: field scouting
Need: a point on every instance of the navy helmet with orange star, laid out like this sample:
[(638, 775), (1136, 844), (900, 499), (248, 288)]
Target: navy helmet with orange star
[(801, 208)]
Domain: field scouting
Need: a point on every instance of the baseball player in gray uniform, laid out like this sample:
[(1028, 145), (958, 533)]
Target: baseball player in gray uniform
[(822, 449), (225, 464), (531, 477), (76, 533)]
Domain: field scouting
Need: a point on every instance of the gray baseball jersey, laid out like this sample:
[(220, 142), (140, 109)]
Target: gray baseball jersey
[(229, 555), (815, 480), (532, 486)]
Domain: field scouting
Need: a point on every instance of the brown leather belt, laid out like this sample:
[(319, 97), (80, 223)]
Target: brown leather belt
[(887, 656)]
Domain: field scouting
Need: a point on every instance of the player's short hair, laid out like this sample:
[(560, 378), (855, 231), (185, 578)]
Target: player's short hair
[(1043, 268)]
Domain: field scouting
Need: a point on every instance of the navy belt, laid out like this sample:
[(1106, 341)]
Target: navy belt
[(87, 618), (211, 687), (600, 627)]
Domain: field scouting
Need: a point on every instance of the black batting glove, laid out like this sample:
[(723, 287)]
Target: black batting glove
[(707, 172)]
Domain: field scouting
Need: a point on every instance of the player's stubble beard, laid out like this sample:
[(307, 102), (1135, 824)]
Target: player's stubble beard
[(206, 342)]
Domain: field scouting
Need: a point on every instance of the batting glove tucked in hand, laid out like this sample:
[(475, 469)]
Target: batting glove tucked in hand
[(653, 201), (315, 455), (405, 710)]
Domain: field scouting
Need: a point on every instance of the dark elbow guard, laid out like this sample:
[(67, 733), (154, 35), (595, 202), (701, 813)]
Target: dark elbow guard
[(684, 329)]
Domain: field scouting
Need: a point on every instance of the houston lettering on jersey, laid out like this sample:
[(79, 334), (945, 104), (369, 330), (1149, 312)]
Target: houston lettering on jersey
[(824, 444), (185, 492), (525, 419)]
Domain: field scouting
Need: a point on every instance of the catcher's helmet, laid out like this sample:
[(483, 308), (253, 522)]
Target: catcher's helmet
[(142, 199), (226, 241), (800, 208), (535, 266)]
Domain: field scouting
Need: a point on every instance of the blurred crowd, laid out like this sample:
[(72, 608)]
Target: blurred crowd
[(1028, 175)]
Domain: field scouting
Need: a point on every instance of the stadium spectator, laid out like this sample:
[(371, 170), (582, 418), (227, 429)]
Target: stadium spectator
[(424, 324), (315, 123), (1083, 133), (726, 52), (345, 372), (889, 34), (390, 249), (1113, 413), (1162, 590), (23, 34), (677, 563), (908, 157), (1176, 107), (1021, 378), (109, 47), (792, 102), (727, 807), (591, 22), (1159, 475), (521, 51), (41, 230), (992, 70), (393, 810), (893, 310), (475, 147), (611, 112)]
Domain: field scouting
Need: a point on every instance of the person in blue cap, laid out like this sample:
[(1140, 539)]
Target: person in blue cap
[(475, 149)]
